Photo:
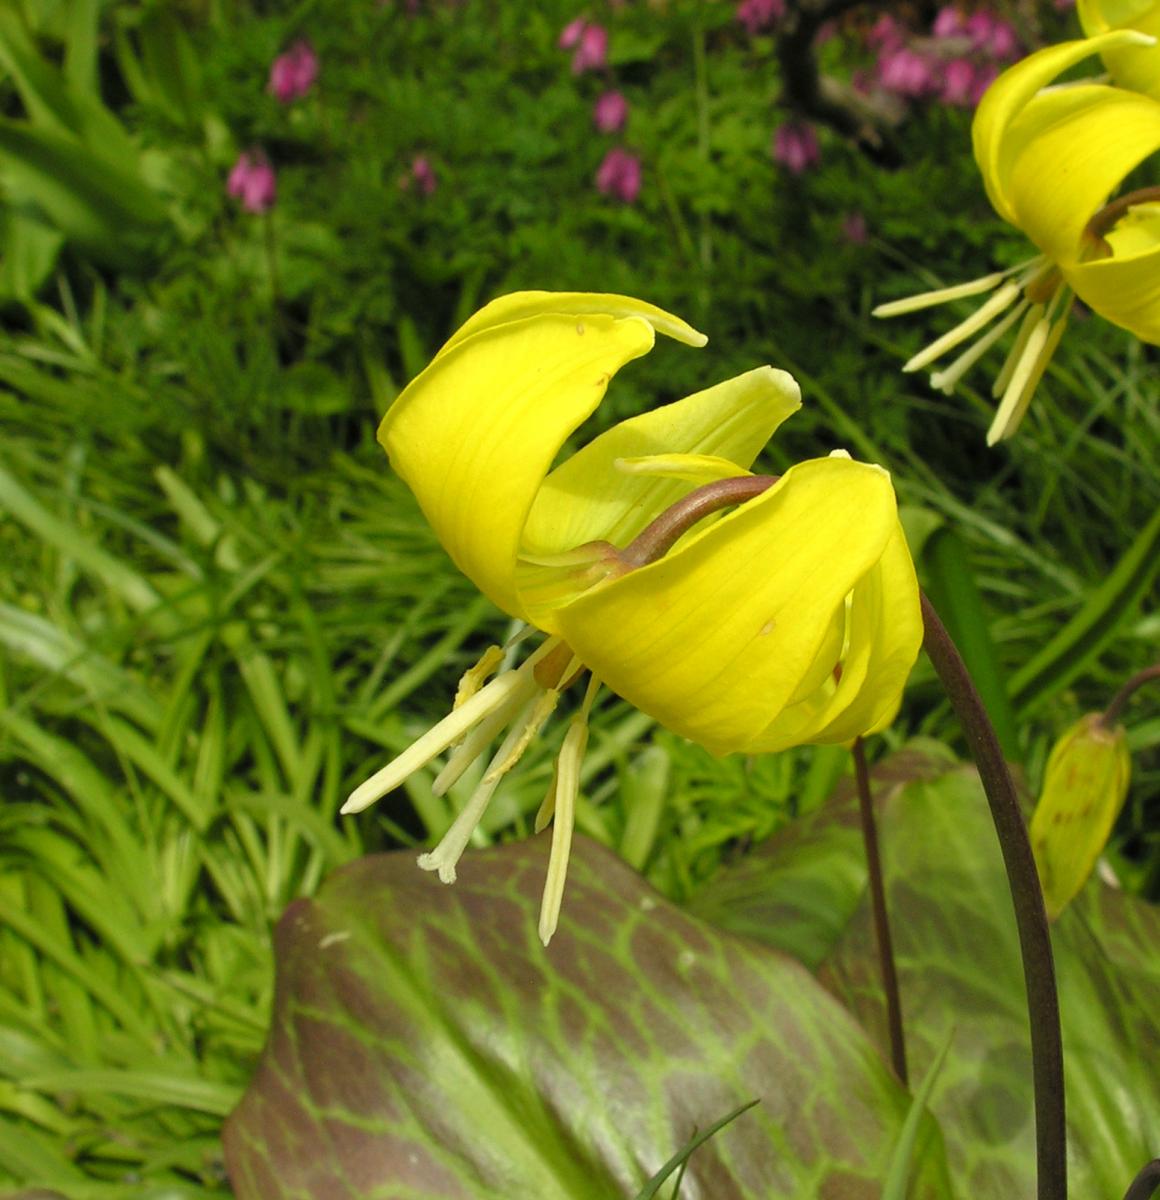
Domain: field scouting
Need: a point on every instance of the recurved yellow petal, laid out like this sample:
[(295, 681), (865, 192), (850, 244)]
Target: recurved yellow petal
[(1136, 67), (1007, 97), (474, 435), (589, 497), (715, 639), (1066, 153), (1084, 788), (519, 305), (884, 634), (1125, 290)]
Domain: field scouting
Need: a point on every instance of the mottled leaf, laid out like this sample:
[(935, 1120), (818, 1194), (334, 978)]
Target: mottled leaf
[(959, 969), (426, 1045)]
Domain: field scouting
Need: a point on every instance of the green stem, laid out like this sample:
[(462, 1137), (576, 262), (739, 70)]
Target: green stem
[(878, 906), (1027, 897)]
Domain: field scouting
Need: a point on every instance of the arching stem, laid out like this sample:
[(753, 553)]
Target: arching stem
[(878, 906), (1027, 897)]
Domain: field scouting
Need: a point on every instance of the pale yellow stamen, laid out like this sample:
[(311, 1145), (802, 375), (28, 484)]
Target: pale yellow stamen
[(559, 806), (983, 315), (959, 291), (946, 379), (504, 693), (478, 740), (531, 723), (475, 677), (1015, 354), (434, 741), (448, 852), (1010, 408)]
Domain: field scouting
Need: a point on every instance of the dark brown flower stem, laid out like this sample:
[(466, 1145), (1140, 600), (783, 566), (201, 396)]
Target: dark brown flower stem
[(878, 905), (1027, 897), (1145, 1183), (1112, 713)]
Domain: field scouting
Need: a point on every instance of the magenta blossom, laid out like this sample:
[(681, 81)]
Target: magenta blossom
[(592, 52), (949, 22), (985, 75), (610, 112), (885, 34), (571, 33), (619, 175), (906, 72), (757, 15), (795, 146), (252, 181), (854, 228), (421, 176), (958, 82), (293, 73)]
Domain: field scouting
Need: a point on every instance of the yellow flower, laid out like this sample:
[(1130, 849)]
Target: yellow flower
[(1131, 66), (1051, 159), (1084, 788), (792, 618)]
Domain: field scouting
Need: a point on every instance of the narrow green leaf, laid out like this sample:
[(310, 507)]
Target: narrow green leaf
[(957, 599), (650, 1189), (69, 541), (1082, 638), (901, 1162)]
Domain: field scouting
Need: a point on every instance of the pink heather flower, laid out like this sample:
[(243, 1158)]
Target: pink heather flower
[(420, 175), (885, 35), (985, 75), (423, 173), (854, 228), (592, 52), (252, 182), (293, 74), (610, 112), (756, 15), (978, 27), (795, 146), (1004, 43), (949, 22), (571, 33), (906, 72), (619, 175), (958, 82)]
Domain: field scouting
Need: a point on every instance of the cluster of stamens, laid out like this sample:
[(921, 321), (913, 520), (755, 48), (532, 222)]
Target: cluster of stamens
[(520, 700)]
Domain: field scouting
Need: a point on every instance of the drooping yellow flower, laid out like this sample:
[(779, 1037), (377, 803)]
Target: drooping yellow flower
[(1132, 66), (1051, 160), (792, 618), (1084, 787)]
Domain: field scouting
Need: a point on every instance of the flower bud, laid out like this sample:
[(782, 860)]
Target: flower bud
[(1083, 791)]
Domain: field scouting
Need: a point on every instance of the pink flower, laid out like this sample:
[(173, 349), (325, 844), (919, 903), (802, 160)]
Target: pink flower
[(885, 35), (571, 33), (756, 15), (1004, 43), (948, 22), (854, 228), (985, 75), (252, 182), (619, 175), (958, 82), (610, 112), (906, 72), (592, 51), (421, 175), (795, 146), (293, 74), (978, 27)]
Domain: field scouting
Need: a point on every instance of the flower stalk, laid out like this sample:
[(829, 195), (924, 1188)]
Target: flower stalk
[(882, 938), (1112, 713), (1027, 898)]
